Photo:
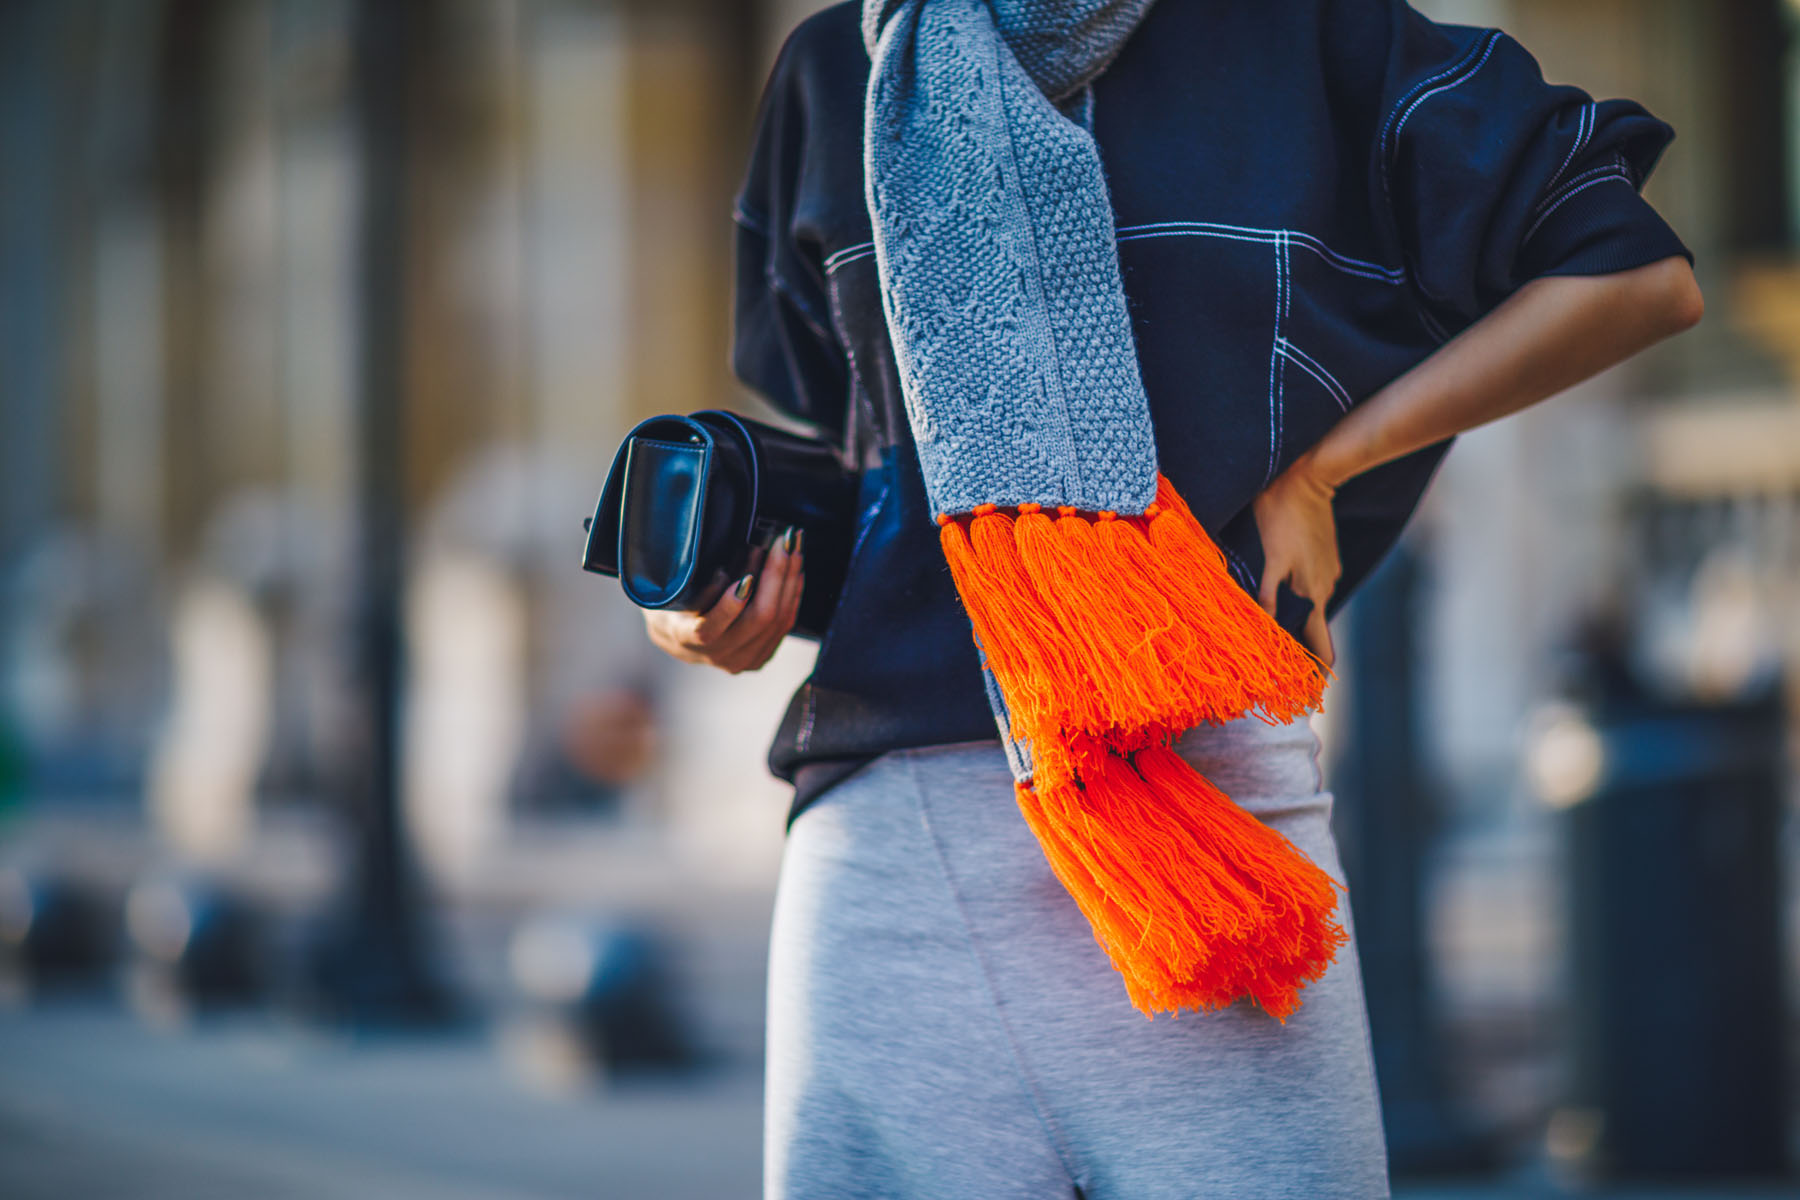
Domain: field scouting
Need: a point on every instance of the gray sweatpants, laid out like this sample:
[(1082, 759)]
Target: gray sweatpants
[(943, 1024)]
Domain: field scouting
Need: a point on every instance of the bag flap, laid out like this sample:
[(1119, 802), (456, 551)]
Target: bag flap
[(600, 553)]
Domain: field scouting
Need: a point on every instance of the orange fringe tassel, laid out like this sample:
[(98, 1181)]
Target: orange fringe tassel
[(1109, 636)]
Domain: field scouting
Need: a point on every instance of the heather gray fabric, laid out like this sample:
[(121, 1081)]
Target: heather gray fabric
[(994, 241), (942, 1023)]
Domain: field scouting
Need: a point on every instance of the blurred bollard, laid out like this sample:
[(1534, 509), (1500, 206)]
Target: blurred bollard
[(592, 999), (1385, 820), (12, 766), (1678, 1055), (194, 948), (53, 931)]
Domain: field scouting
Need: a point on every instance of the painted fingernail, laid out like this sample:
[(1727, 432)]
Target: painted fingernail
[(799, 539), (743, 587), (790, 539)]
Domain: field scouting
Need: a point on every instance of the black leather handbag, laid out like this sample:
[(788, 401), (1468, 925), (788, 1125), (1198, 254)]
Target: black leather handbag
[(692, 504)]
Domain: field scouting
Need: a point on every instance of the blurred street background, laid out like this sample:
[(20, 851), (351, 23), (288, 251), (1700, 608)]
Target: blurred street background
[(353, 842)]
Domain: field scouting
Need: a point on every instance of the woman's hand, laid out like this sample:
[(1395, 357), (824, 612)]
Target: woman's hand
[(742, 630), (1299, 537)]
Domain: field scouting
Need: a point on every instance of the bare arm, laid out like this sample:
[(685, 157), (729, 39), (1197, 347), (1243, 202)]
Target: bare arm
[(1549, 335)]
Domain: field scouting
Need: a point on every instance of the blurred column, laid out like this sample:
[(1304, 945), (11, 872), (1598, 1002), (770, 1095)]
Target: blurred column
[(580, 247), (316, 216), (33, 150), (33, 155), (185, 102), (684, 124), (378, 969)]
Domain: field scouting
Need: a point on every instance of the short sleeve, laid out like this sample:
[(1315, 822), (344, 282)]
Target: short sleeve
[(782, 340), (1492, 177)]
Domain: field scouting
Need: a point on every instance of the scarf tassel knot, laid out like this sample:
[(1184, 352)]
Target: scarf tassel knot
[(1109, 636)]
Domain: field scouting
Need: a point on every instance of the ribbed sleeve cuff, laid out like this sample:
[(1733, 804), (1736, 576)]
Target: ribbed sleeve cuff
[(1597, 227)]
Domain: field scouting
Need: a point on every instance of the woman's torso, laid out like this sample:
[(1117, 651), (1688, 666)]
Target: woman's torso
[(1270, 283)]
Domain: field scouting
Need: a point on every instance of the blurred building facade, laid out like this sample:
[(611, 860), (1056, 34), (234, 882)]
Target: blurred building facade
[(181, 339)]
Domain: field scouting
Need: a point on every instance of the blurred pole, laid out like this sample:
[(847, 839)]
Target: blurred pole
[(32, 234), (1386, 818), (377, 968)]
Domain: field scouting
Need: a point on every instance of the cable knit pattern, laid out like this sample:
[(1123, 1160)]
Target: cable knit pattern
[(994, 240)]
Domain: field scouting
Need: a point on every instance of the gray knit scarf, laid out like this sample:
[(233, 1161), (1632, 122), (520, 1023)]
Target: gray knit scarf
[(1107, 620), (994, 239)]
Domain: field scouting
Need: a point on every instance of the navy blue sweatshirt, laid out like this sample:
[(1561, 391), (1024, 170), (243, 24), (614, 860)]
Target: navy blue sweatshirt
[(1310, 196)]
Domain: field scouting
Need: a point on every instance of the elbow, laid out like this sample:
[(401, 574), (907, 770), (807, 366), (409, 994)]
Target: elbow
[(1675, 296)]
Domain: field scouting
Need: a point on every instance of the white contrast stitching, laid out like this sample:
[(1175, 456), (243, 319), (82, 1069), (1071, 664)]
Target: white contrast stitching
[(803, 740), (1275, 360), (1287, 275), (1425, 83), (1313, 367), (1571, 194), (1318, 378), (1287, 294), (1343, 262), (1245, 575), (1616, 166), (1492, 40), (840, 324), (849, 254), (1390, 139), (1583, 127)]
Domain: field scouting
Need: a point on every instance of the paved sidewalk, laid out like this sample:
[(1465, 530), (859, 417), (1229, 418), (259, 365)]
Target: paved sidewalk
[(94, 1106)]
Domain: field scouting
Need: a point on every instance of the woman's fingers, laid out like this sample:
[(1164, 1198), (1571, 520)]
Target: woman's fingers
[(1317, 634), (785, 588), (750, 638), (1298, 528), (1274, 571), (796, 588), (792, 589), (742, 629), (729, 646), (771, 584), (713, 623)]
